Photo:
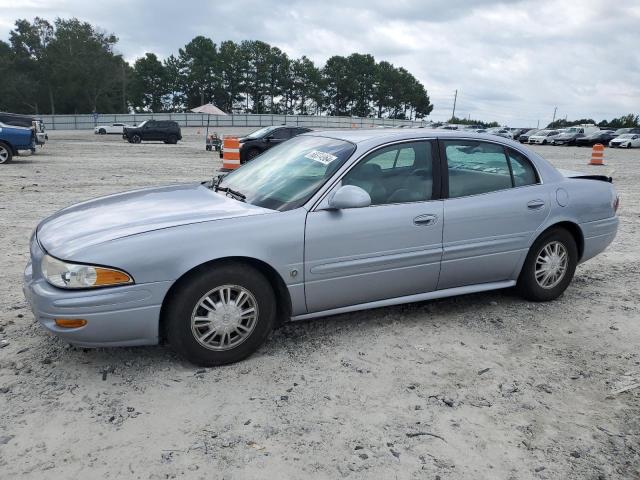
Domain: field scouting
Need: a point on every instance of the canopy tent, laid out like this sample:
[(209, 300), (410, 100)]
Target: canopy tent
[(209, 109)]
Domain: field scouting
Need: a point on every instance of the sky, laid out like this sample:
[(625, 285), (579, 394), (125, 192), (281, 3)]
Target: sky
[(513, 61)]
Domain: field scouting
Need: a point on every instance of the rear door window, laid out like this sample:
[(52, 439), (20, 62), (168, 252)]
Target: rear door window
[(523, 171), (476, 167)]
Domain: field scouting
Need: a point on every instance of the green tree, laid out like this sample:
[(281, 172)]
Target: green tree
[(199, 58), (339, 86), (148, 85), (630, 120), (232, 65)]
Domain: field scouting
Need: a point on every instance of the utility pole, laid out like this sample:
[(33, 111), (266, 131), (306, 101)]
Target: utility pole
[(124, 90), (554, 114), (538, 126), (455, 98)]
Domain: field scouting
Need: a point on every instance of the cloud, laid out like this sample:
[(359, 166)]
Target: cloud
[(512, 61)]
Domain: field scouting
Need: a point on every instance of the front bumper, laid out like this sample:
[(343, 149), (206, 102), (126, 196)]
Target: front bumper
[(116, 316)]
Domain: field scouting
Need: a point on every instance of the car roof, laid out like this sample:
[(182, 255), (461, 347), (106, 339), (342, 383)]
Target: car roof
[(384, 135)]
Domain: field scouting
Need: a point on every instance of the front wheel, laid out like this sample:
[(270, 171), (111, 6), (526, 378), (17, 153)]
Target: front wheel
[(220, 315), (102, 131), (6, 155), (253, 153), (549, 267), (172, 139), (136, 139)]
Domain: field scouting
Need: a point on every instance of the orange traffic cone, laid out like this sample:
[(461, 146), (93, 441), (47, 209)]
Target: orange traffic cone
[(230, 153), (597, 155)]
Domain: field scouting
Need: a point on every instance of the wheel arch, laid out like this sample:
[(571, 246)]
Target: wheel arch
[(283, 298), (10, 147), (575, 231)]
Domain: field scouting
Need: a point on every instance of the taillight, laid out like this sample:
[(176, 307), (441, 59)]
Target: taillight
[(616, 204)]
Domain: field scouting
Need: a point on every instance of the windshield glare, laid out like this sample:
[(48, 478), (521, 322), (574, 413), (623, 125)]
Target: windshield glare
[(261, 132), (286, 176)]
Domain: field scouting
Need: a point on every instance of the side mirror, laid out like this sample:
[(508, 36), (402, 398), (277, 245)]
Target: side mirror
[(268, 138), (349, 196)]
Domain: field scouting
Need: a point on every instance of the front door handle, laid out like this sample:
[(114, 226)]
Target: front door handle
[(423, 220), (535, 204)]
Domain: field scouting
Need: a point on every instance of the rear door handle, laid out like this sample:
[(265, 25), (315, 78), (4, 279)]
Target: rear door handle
[(423, 220), (535, 204)]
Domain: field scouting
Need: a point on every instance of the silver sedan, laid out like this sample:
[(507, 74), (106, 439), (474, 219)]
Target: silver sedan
[(326, 223)]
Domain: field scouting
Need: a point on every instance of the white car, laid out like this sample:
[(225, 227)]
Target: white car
[(114, 128), (543, 137), (627, 140)]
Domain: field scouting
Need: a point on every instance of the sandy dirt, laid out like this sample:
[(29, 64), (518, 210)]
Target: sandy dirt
[(477, 387)]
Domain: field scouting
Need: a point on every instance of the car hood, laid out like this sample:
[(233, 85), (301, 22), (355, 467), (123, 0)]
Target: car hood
[(131, 213)]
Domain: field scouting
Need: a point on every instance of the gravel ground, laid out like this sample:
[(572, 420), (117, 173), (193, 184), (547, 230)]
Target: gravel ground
[(480, 386)]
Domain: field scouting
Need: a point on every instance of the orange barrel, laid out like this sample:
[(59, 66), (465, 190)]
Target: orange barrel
[(597, 155), (230, 153)]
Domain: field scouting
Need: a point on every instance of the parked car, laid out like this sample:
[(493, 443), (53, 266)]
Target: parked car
[(166, 131), (622, 131), (500, 132), (627, 140), (325, 223), (601, 136), (265, 138), (566, 138), (516, 132), (543, 137), (114, 128), (13, 139), (28, 121), (524, 137)]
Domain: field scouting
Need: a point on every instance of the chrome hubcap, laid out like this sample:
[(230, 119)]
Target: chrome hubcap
[(551, 264), (224, 317)]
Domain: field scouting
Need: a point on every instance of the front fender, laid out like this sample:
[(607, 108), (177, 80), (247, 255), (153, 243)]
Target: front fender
[(167, 254)]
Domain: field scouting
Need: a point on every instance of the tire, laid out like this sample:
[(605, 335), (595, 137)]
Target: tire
[(208, 148), (544, 142), (199, 296), (102, 131), (253, 153), (172, 139), (531, 288), (136, 139), (6, 155)]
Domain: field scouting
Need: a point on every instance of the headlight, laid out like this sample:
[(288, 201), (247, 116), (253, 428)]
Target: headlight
[(69, 275)]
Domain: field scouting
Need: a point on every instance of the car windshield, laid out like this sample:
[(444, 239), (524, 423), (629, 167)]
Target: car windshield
[(531, 132), (286, 176), (143, 123), (262, 132), (626, 135), (620, 131)]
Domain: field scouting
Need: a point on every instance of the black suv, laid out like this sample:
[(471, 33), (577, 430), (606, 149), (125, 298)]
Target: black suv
[(160, 130), (257, 142)]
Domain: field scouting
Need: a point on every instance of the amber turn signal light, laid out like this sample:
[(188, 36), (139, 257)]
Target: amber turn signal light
[(70, 322), (106, 276)]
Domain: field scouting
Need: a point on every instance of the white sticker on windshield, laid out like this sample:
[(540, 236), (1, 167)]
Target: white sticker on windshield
[(322, 157)]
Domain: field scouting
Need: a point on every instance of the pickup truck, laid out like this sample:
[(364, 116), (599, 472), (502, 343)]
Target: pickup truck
[(17, 120), (14, 139)]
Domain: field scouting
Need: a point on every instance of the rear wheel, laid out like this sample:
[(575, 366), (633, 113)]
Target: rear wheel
[(221, 315), (549, 267), (6, 155)]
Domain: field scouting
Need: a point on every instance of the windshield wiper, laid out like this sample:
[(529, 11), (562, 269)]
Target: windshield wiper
[(234, 193), (215, 186)]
